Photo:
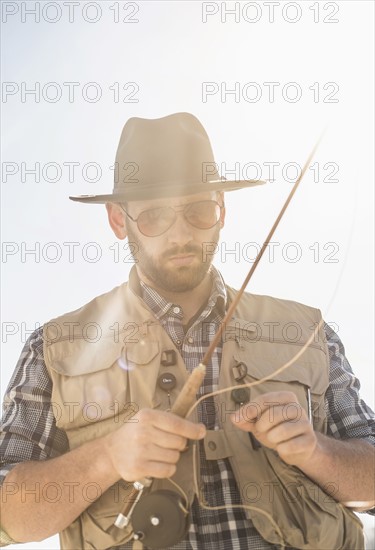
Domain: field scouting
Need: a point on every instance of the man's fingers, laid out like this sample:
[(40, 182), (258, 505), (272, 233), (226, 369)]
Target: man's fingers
[(170, 423), (160, 454), (271, 408), (279, 422), (282, 432), (167, 440), (281, 415), (184, 428), (151, 445), (293, 449), (161, 470)]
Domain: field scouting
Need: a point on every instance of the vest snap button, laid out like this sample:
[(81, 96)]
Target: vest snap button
[(241, 395), (167, 381), (212, 445)]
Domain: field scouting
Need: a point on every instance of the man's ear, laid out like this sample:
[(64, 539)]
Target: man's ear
[(116, 218)]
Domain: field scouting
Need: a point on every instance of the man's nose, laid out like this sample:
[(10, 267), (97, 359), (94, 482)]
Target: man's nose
[(181, 231)]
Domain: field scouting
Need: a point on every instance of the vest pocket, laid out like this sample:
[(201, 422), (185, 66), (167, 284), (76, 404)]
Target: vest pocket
[(94, 529), (305, 377), (93, 391), (307, 517)]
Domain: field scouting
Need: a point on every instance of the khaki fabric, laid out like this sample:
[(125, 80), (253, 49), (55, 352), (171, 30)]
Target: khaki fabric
[(106, 358)]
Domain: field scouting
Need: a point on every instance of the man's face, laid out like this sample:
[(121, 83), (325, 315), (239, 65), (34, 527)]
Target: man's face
[(177, 260)]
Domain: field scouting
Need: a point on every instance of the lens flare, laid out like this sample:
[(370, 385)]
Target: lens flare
[(124, 365)]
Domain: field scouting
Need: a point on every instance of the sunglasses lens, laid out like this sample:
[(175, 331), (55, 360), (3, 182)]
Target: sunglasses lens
[(203, 214), (156, 221)]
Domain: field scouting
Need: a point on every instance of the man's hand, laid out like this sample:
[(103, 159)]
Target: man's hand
[(279, 422), (150, 445)]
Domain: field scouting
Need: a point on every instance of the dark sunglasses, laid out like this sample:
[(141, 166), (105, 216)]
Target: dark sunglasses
[(156, 221)]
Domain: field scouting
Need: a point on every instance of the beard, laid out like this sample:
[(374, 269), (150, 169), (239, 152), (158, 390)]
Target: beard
[(173, 278)]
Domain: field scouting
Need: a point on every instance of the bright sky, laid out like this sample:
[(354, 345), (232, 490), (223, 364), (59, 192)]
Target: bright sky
[(265, 81)]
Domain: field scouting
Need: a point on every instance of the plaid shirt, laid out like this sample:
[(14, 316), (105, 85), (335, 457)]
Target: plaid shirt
[(29, 431)]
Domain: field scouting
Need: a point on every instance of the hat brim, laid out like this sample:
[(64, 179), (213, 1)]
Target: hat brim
[(147, 192)]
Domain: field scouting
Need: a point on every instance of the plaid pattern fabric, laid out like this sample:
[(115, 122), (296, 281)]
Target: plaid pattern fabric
[(29, 431)]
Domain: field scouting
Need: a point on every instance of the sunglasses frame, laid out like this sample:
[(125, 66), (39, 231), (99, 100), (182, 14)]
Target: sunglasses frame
[(176, 210)]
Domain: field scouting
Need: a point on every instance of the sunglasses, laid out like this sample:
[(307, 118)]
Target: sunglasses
[(156, 221)]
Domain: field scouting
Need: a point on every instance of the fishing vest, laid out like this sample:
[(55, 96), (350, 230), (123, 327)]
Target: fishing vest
[(105, 359)]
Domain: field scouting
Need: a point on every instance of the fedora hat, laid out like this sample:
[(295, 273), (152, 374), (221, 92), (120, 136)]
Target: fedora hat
[(162, 158)]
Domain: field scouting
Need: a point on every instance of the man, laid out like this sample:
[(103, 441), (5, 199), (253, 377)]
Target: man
[(303, 430)]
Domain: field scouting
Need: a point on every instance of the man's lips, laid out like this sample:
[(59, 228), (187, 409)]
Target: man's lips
[(185, 259)]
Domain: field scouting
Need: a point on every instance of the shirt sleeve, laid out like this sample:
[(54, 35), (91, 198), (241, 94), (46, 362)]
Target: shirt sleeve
[(347, 414), (28, 430)]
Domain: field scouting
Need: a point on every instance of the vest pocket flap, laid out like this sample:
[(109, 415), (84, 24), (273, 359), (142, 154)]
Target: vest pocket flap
[(142, 352), (305, 372), (84, 358)]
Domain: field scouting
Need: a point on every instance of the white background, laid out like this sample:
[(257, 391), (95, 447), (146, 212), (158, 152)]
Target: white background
[(169, 52)]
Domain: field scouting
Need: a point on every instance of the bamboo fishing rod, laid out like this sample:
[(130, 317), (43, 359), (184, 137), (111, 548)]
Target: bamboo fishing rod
[(187, 396)]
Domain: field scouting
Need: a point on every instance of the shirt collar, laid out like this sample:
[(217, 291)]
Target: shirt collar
[(161, 307)]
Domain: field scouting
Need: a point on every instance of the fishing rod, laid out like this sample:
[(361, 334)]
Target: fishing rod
[(161, 518)]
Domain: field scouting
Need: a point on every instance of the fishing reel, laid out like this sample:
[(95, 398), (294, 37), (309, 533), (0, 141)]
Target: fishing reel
[(160, 519)]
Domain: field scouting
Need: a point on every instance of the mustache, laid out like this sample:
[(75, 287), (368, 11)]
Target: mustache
[(183, 251)]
